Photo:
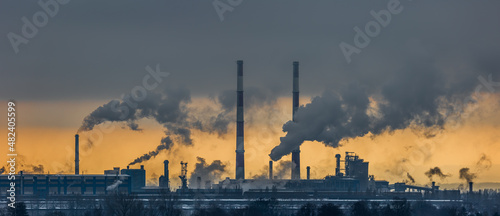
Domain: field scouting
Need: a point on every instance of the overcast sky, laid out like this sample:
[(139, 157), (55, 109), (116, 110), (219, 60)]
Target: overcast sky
[(98, 49)]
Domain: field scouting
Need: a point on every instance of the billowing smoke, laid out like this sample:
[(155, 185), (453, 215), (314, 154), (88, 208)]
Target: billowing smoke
[(261, 174), (436, 171), (165, 144), (484, 163), (33, 169), (467, 175), (416, 97), (168, 108), (282, 170), (207, 172), (410, 180), (153, 181), (114, 186)]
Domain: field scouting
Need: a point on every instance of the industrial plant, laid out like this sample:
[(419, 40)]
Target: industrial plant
[(350, 183)]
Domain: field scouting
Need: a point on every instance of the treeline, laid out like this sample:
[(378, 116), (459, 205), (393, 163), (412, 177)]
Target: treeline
[(129, 205)]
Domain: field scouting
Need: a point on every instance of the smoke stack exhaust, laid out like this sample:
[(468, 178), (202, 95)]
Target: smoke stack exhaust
[(471, 187), (308, 172), (77, 155), (271, 169), (296, 152), (240, 146)]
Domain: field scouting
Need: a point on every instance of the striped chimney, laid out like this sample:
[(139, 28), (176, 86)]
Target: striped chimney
[(295, 152), (240, 146)]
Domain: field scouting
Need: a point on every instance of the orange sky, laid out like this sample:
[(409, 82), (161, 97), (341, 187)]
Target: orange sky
[(45, 134)]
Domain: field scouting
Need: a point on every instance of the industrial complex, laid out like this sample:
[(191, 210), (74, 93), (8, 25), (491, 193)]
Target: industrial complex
[(351, 182)]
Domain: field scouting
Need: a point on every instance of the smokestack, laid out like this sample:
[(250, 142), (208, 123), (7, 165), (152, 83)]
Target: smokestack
[(471, 187), (165, 169), (142, 167), (308, 172), (337, 169), (270, 169), (296, 152), (240, 146), (77, 155)]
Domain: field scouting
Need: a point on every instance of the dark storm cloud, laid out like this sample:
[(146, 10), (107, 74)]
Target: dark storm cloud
[(96, 50)]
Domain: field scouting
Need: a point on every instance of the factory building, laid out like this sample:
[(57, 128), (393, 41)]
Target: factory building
[(356, 168), (137, 177), (44, 184)]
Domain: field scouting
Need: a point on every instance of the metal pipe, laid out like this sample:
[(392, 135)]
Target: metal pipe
[(77, 155), (295, 106), (471, 187), (240, 146), (271, 169)]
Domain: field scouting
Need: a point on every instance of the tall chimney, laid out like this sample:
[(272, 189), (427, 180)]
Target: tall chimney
[(471, 187), (308, 172), (77, 155), (271, 169), (165, 170), (295, 152), (240, 146), (337, 160)]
